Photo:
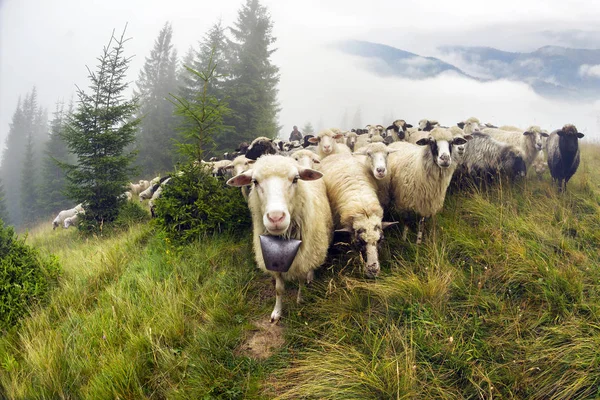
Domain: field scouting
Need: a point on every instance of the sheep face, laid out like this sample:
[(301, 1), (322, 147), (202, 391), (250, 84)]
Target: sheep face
[(377, 155), (536, 136), (326, 142), (441, 150), (460, 148), (351, 140), (367, 233), (568, 139), (306, 158), (275, 190), (427, 125)]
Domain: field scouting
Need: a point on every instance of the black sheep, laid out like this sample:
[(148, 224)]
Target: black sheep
[(563, 154)]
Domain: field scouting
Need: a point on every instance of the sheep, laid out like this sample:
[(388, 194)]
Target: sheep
[(288, 200), (306, 141), (157, 193), (147, 194), (327, 145), (241, 164), (306, 158), (353, 197), (471, 125), (373, 136), (260, 146), (60, 218), (427, 124), (351, 139), (71, 221), (420, 174), (563, 154), (397, 130), (529, 143), (136, 188), (540, 164), (459, 149), (374, 158), (486, 158)]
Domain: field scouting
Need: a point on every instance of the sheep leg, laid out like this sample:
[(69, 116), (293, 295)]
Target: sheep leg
[(420, 233), (310, 276), (279, 291), (299, 296), (405, 232)]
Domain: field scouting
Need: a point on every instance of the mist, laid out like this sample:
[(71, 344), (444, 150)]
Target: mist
[(318, 84)]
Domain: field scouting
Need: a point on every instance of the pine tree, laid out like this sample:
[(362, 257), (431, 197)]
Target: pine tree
[(203, 115), (308, 129), (251, 87), (98, 133), (158, 78), (53, 183), (3, 208), (357, 119), (28, 189)]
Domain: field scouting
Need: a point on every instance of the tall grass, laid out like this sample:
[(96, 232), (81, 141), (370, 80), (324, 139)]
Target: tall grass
[(502, 300)]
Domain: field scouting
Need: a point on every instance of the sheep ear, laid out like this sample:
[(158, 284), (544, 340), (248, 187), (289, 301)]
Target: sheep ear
[(316, 161), (230, 166), (307, 174), (251, 161), (385, 224), (468, 137), (527, 133), (560, 132), (345, 229), (423, 142), (459, 140), (314, 140), (243, 179), (461, 125), (408, 126), (393, 151), (338, 136), (580, 135), (544, 134)]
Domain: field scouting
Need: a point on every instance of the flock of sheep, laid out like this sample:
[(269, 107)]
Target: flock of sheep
[(344, 181)]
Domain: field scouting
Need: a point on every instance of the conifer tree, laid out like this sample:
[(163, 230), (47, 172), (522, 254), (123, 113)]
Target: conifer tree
[(28, 188), (157, 79), (251, 87), (53, 182), (97, 133), (3, 208), (308, 129)]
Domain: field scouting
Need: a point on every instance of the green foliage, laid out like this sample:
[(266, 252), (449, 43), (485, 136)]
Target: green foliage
[(155, 138), (252, 85), (3, 208), (24, 277), (98, 133), (53, 179), (307, 129), (203, 115), (26, 137), (195, 203)]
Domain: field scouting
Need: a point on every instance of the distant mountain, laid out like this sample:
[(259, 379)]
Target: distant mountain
[(551, 71), (392, 61)]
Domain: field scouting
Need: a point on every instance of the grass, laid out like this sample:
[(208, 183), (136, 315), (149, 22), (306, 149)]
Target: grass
[(501, 301)]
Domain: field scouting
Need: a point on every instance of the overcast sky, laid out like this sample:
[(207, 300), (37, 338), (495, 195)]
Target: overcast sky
[(49, 43)]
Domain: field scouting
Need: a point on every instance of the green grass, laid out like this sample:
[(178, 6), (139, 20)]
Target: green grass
[(501, 301)]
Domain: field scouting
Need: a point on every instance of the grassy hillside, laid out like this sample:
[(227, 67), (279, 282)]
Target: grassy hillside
[(501, 301)]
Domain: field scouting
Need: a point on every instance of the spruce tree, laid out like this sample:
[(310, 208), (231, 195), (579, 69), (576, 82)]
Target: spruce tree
[(251, 88), (53, 183), (202, 115), (3, 208), (308, 129), (28, 189), (157, 79), (97, 133)]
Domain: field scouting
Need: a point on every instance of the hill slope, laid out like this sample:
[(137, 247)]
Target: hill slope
[(502, 300)]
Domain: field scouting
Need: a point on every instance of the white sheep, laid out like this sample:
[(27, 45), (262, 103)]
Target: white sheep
[(306, 158), (71, 221), (374, 158), (352, 193), (157, 193), (421, 173), (60, 218), (290, 201), (529, 142), (241, 164), (327, 145)]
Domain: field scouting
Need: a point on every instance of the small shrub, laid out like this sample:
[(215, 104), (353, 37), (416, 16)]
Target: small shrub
[(129, 213), (195, 203), (24, 277)]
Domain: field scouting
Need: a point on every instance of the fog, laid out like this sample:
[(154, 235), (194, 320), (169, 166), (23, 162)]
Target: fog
[(48, 44)]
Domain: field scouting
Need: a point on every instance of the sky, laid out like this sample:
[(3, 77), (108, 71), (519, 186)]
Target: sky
[(48, 44)]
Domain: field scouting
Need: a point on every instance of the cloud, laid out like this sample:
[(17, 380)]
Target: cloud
[(592, 71)]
